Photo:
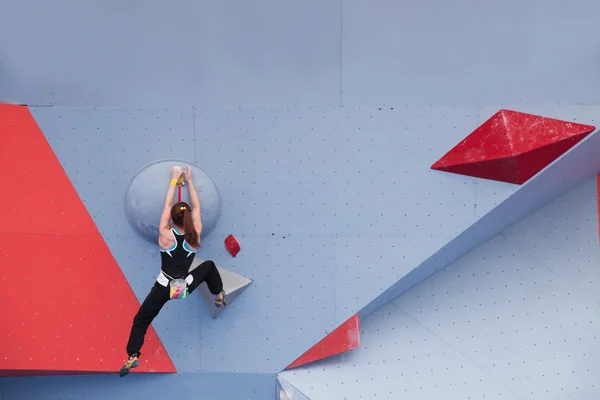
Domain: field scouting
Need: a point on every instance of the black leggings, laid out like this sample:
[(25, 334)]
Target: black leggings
[(158, 297)]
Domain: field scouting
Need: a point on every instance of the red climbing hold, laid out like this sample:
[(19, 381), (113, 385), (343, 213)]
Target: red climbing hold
[(512, 147), (232, 245)]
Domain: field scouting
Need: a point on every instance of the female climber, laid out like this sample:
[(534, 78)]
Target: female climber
[(178, 245)]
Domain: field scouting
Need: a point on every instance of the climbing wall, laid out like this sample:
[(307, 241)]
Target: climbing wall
[(357, 53), (320, 143), (209, 386), (511, 320), (304, 283), (297, 172)]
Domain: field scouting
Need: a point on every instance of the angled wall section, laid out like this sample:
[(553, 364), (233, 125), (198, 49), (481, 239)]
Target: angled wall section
[(510, 320), (575, 166), (286, 391), (69, 305)]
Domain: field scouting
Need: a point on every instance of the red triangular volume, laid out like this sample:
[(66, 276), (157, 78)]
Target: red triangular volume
[(344, 338), (65, 305), (512, 147)]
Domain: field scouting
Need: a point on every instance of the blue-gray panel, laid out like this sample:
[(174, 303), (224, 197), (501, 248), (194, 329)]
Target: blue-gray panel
[(489, 194), (516, 319), (564, 238), (268, 53), (463, 52), (398, 359), (365, 266), (144, 386), (205, 53), (303, 150), (101, 149), (574, 167), (337, 171), (288, 307), (359, 174)]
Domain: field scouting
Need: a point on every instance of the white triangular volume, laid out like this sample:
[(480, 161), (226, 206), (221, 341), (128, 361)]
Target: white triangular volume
[(287, 392), (281, 395), (233, 284)]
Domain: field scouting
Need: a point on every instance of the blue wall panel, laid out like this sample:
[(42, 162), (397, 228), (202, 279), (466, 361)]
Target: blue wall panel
[(367, 265), (360, 175), (309, 195), (288, 307), (574, 167), (398, 358), (337, 170), (467, 52), (187, 386), (563, 237), (518, 320), (328, 190), (279, 53), (159, 54), (513, 319), (342, 200)]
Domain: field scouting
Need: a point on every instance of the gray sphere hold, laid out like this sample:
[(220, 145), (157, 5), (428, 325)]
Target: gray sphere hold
[(145, 197)]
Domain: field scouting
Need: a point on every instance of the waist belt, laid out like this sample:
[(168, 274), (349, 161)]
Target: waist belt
[(164, 279)]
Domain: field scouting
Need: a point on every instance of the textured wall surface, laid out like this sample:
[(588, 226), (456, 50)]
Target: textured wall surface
[(514, 319), (320, 141), (356, 52), (312, 199), (195, 386)]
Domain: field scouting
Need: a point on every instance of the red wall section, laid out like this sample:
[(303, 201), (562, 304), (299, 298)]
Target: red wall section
[(344, 338), (65, 305)]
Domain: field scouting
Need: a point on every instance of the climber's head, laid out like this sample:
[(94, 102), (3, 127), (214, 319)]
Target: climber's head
[(181, 214)]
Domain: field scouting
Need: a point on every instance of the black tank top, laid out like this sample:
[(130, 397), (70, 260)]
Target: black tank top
[(177, 259)]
